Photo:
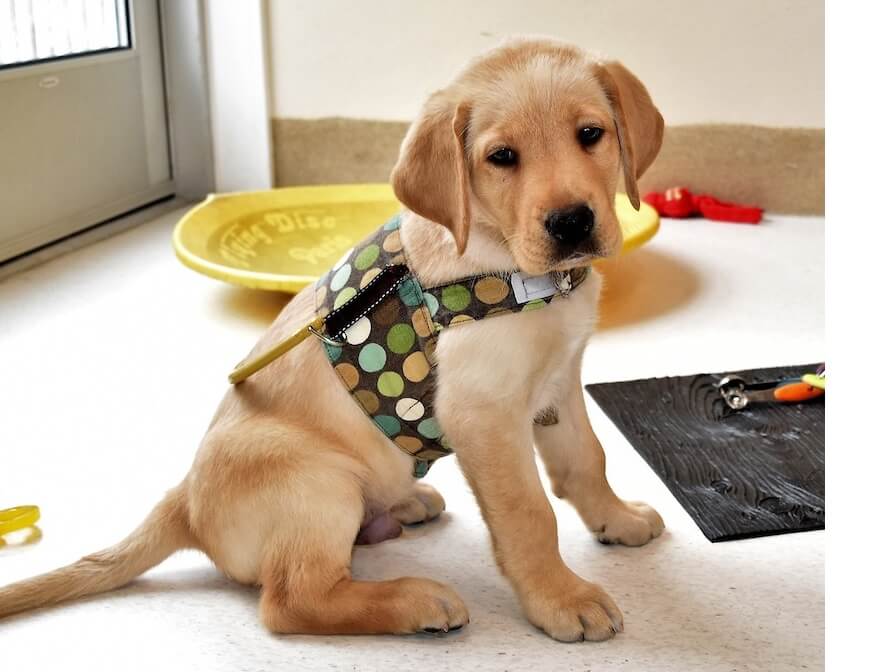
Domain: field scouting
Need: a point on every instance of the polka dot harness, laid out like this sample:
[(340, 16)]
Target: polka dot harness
[(380, 330)]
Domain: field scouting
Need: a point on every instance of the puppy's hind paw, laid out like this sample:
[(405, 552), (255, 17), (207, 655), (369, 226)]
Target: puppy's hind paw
[(431, 607), (424, 504)]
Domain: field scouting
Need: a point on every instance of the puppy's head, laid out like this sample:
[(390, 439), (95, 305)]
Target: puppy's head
[(528, 143)]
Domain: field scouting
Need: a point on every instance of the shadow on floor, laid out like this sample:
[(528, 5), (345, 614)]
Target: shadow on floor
[(644, 285), (256, 306)]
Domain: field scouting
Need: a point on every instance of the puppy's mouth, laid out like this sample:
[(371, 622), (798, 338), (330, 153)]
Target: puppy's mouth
[(544, 258), (576, 261), (581, 257), (557, 263), (587, 252)]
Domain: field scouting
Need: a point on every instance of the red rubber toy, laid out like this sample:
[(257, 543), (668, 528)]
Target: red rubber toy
[(680, 202)]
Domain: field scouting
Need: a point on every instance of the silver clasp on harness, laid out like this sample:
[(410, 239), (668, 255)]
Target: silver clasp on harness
[(563, 281), (327, 339)]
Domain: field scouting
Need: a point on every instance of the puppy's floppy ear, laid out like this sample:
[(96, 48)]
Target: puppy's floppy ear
[(431, 175), (639, 125)]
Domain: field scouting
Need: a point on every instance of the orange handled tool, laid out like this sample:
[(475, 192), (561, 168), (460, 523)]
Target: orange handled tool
[(738, 394)]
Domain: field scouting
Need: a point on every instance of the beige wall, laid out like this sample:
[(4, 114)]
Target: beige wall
[(730, 61)]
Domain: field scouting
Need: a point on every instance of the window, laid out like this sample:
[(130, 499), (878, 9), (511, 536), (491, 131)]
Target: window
[(33, 31)]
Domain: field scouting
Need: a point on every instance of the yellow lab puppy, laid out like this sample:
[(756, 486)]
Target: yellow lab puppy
[(514, 165)]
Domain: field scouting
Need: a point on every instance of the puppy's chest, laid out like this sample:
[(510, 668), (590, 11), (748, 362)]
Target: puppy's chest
[(534, 351), (572, 327)]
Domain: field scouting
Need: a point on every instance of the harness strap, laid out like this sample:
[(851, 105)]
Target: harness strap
[(365, 301), (498, 294), (494, 294)]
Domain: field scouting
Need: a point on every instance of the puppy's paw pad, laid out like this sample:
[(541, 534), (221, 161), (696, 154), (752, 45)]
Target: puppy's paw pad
[(631, 524)]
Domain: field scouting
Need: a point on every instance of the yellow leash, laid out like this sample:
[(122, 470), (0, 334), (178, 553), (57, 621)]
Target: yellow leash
[(251, 366)]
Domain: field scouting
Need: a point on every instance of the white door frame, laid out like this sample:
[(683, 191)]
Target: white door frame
[(186, 95), (238, 86), (217, 79)]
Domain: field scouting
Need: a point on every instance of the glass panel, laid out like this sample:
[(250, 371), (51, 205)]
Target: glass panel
[(32, 31)]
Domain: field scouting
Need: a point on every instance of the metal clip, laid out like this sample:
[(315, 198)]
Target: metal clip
[(563, 281), (326, 339)]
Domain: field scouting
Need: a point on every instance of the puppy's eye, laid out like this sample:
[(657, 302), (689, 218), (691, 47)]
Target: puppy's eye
[(503, 157), (589, 136)]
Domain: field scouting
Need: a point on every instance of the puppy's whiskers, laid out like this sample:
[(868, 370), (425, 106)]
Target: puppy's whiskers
[(513, 238)]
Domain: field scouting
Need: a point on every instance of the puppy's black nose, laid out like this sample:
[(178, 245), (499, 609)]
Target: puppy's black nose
[(570, 226)]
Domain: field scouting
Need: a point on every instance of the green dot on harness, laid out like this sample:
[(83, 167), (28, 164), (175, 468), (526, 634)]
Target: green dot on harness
[(388, 424), (410, 292), (401, 338), (371, 358), (345, 294), (366, 257), (429, 428), (535, 304), (456, 297), (393, 223), (333, 351), (390, 384)]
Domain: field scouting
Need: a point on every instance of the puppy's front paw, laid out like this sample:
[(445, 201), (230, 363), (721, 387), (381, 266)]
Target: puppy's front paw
[(424, 504), (631, 524), (574, 612)]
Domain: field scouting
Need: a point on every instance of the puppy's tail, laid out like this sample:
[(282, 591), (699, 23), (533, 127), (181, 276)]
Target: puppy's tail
[(165, 531)]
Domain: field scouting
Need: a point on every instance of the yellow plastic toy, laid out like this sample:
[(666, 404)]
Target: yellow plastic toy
[(20, 518), (285, 239)]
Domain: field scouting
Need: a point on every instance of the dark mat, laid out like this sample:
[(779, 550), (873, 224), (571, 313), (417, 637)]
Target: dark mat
[(739, 474)]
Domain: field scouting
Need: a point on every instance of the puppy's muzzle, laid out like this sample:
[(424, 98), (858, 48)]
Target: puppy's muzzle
[(570, 227)]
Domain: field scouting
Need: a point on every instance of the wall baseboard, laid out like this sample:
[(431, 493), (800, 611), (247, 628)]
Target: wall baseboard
[(779, 169)]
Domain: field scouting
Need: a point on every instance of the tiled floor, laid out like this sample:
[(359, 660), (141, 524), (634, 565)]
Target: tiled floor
[(114, 357)]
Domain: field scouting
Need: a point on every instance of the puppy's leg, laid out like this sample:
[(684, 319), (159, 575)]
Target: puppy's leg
[(307, 582), (497, 457), (576, 465), (424, 503)]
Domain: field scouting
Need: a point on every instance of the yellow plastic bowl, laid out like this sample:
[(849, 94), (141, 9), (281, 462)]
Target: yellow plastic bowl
[(285, 239)]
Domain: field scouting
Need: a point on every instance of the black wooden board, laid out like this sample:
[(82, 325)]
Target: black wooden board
[(739, 474)]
